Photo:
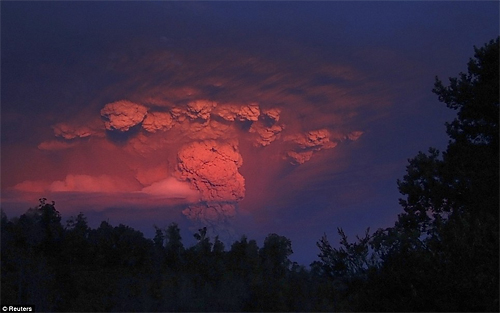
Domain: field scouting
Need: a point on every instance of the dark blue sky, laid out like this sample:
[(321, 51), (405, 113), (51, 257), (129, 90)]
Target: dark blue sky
[(332, 67)]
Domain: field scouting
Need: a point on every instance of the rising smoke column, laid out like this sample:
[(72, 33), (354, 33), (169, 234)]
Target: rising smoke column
[(211, 167)]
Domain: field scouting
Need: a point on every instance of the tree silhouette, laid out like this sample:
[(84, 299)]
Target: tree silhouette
[(275, 262), (448, 232), (442, 252), (452, 201)]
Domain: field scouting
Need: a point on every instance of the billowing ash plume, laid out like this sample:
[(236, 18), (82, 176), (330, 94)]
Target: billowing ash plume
[(212, 168), (181, 121), (122, 115), (207, 166)]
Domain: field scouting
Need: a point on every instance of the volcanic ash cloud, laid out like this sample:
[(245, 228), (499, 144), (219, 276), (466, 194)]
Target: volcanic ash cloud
[(309, 143), (249, 112), (267, 128), (158, 121), (215, 214), (266, 135), (122, 115), (242, 113), (200, 109), (212, 168)]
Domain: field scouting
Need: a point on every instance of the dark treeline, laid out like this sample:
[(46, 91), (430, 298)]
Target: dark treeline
[(442, 254), (77, 268)]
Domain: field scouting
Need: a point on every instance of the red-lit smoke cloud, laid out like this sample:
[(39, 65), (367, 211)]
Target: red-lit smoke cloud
[(308, 143), (200, 109), (158, 121), (184, 134), (267, 129), (122, 115), (212, 168)]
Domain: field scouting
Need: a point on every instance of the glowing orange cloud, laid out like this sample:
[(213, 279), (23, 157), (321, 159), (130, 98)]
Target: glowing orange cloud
[(187, 138), (122, 115)]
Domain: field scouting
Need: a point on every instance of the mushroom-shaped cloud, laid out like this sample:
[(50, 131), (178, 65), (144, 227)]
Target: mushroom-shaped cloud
[(122, 115)]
